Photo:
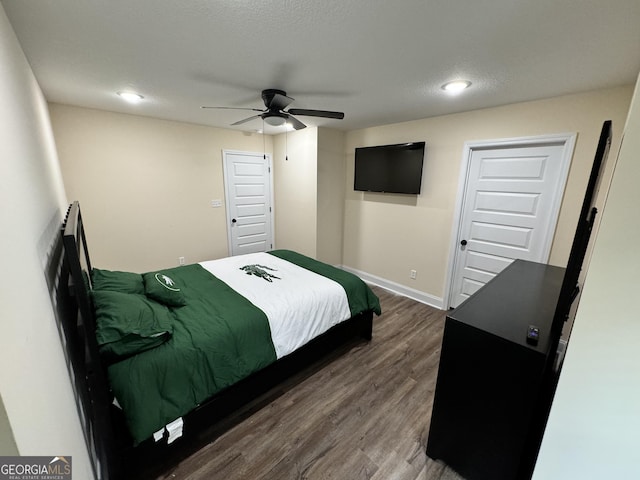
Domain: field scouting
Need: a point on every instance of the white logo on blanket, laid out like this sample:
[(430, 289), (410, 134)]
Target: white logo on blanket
[(166, 282)]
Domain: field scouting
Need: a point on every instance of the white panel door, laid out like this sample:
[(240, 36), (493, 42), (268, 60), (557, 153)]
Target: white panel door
[(509, 211), (248, 198)]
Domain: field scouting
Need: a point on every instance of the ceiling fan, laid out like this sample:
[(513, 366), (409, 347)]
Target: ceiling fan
[(274, 114)]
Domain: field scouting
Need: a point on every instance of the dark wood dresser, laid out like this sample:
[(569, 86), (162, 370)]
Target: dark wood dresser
[(493, 389)]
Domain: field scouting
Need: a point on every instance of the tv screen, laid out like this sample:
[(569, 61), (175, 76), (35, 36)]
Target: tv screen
[(389, 168)]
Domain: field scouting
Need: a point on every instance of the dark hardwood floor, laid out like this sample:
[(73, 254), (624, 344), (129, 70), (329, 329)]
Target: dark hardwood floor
[(362, 414)]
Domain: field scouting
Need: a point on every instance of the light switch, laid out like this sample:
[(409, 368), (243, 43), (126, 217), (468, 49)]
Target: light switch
[(216, 203)]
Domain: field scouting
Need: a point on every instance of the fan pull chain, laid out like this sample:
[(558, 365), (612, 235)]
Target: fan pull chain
[(286, 143), (264, 145)]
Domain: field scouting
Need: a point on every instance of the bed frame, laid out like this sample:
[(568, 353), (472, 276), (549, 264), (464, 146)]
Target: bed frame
[(109, 444)]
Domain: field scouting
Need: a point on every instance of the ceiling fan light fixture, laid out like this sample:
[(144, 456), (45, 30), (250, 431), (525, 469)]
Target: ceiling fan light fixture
[(456, 86), (275, 120)]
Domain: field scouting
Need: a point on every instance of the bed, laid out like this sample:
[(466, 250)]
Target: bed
[(164, 361)]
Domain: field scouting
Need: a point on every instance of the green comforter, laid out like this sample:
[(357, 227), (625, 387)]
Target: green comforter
[(359, 295), (218, 338)]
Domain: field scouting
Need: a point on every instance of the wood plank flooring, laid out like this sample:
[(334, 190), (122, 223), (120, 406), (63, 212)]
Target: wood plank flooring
[(362, 415)]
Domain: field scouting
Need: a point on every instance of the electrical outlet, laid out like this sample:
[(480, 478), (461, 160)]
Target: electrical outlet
[(412, 274), (180, 260)]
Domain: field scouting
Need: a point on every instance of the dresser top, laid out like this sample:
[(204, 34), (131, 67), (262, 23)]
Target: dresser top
[(523, 294)]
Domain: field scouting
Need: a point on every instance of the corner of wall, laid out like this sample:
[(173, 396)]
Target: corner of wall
[(331, 171), (8, 445)]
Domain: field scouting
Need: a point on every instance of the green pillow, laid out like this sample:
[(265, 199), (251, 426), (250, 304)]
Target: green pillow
[(125, 282), (162, 288), (127, 324)]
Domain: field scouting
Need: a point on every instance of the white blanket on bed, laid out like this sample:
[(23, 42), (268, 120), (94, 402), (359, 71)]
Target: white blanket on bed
[(298, 303)]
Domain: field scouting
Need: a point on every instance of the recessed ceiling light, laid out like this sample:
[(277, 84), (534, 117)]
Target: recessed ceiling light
[(131, 97), (456, 86)]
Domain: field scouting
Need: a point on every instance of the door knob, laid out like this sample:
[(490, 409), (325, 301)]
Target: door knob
[(233, 220), (463, 243)]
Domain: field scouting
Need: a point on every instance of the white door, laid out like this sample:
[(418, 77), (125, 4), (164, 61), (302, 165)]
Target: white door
[(248, 197), (509, 208)]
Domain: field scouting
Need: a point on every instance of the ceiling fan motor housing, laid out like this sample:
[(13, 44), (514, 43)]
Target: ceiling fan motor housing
[(275, 99)]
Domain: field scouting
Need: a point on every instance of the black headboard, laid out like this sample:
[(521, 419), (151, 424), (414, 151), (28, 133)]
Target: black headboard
[(87, 373), (77, 257)]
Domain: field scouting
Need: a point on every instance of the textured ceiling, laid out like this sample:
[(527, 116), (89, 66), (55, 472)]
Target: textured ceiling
[(380, 62)]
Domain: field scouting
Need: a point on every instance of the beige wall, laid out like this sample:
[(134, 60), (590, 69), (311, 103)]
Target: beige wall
[(34, 382), (388, 235), (594, 423), (145, 185), (295, 190)]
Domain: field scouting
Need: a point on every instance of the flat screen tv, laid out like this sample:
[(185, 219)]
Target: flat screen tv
[(389, 168)]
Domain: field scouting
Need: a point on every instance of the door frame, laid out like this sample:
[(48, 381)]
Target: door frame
[(567, 140), (225, 178)]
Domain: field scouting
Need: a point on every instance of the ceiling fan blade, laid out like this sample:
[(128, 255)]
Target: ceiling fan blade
[(236, 108), (297, 124), (240, 122), (316, 113)]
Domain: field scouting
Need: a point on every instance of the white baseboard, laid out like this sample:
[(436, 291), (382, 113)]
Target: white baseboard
[(394, 287)]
